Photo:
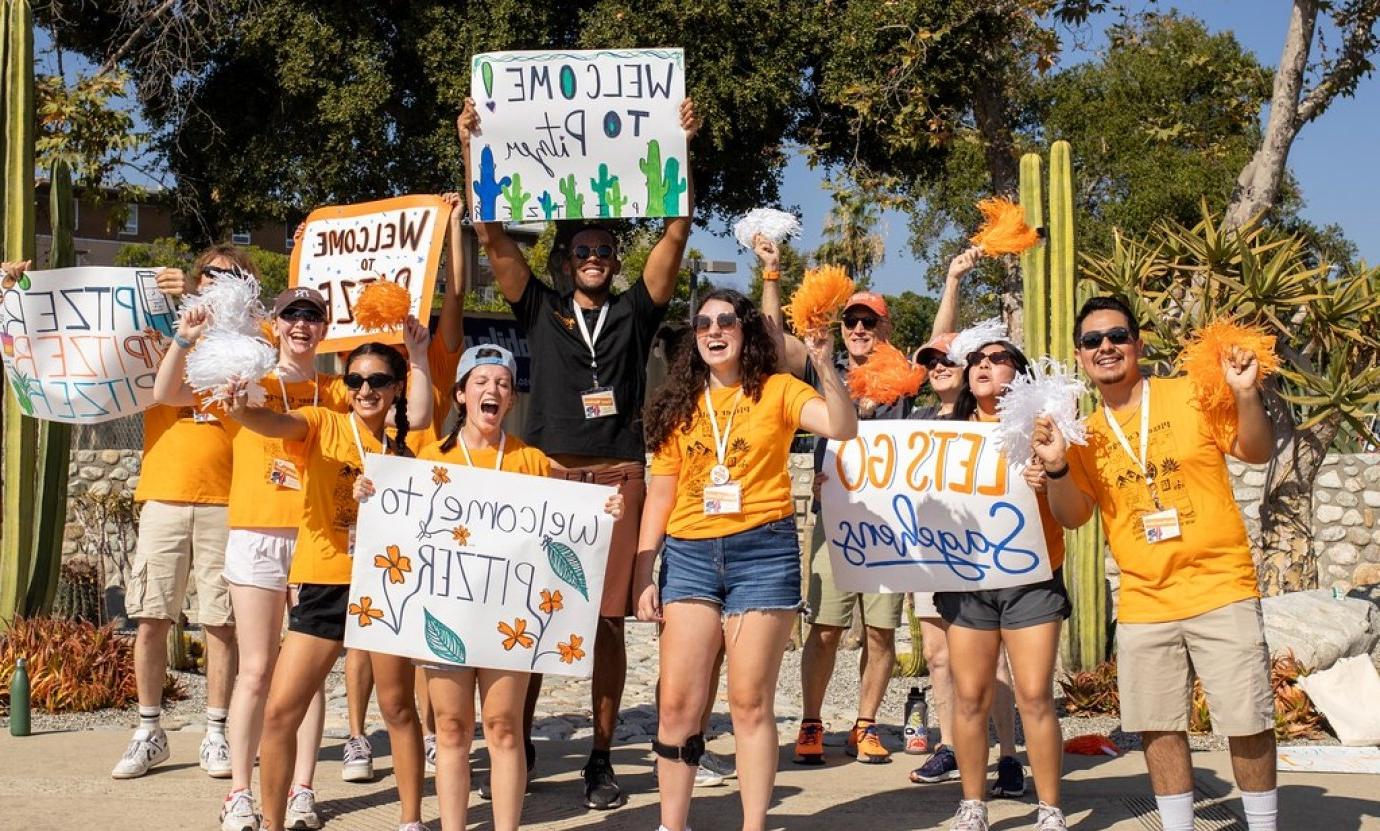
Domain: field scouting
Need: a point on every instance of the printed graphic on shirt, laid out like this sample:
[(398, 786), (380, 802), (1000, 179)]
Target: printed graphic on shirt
[(346, 508), (700, 457), (1163, 469)]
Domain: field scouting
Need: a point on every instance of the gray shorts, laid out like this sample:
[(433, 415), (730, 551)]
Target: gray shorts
[(1013, 608)]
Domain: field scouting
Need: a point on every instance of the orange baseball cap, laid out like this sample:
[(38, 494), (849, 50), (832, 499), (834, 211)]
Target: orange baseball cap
[(939, 343), (870, 300)]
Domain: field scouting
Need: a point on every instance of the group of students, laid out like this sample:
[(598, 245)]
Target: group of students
[(259, 503)]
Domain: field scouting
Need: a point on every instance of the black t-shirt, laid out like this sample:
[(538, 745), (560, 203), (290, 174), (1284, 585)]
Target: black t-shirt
[(561, 373)]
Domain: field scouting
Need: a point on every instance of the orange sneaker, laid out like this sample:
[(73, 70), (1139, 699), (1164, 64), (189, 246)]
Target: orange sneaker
[(809, 743), (865, 743)]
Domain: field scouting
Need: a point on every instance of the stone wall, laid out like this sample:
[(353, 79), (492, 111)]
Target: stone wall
[(94, 476)]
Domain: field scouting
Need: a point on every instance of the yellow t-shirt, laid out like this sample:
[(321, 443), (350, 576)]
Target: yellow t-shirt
[(255, 502), (518, 457), (332, 463), (443, 363), (759, 445), (185, 459), (1209, 565)]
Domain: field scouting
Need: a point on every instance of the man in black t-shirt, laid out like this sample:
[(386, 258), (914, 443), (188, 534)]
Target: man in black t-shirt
[(589, 352)]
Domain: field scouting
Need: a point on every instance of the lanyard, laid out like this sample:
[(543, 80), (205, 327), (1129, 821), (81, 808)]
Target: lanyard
[(721, 441), (315, 395), (359, 445), (1141, 460), (502, 441), (590, 340)]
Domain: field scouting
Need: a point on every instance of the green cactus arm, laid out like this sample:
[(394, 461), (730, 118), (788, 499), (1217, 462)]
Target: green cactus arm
[(574, 200), (651, 168), (515, 196), (616, 199)]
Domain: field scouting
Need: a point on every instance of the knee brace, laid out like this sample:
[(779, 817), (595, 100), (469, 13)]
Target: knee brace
[(689, 753)]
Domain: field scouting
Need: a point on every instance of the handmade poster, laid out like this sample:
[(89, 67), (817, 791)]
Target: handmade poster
[(461, 565), (565, 135), (929, 506), (1326, 759), (346, 247), (82, 345)]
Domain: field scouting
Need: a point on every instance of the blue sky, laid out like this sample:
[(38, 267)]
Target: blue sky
[(1330, 158)]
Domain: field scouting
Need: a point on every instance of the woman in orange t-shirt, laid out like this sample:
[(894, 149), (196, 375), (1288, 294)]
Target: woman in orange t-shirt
[(720, 500), (1025, 619), (333, 446)]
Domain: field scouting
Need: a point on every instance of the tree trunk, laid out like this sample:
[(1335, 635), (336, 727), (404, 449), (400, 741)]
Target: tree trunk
[(1288, 562)]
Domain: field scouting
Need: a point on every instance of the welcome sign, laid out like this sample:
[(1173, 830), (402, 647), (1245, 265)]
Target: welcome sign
[(929, 506), (565, 135), (460, 565), (82, 345), (346, 247)]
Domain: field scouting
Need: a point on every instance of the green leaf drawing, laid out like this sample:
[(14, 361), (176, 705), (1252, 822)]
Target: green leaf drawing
[(486, 72), (566, 565), (442, 640)]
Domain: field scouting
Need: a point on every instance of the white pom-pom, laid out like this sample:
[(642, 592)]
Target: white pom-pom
[(1049, 389), (775, 225), (233, 300), (221, 357), (975, 337)]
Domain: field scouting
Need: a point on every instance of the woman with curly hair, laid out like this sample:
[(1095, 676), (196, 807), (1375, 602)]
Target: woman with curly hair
[(720, 501)]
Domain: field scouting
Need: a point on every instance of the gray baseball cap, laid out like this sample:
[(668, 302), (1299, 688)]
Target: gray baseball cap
[(486, 353)]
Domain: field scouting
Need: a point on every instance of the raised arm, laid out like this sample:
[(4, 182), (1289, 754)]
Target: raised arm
[(510, 268), (1255, 435), (946, 317), (170, 386), (834, 416), (262, 420), (1070, 506), (663, 262), (790, 350), (656, 512), (451, 327), (416, 338)]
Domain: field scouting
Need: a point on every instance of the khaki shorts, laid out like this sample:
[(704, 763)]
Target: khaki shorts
[(831, 607), (1225, 648), (631, 480), (178, 539)]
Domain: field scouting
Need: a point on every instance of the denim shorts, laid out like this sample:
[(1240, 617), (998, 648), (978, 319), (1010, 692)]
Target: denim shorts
[(753, 570)]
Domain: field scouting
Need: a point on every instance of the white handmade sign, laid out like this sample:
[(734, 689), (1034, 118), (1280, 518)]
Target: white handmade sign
[(346, 247), (82, 345), (929, 506), (565, 135), (461, 565)]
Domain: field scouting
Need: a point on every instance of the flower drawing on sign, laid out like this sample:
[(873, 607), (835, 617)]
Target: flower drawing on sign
[(394, 564), (460, 534), (393, 567), (571, 651), (439, 475), (550, 601), (365, 611), (515, 635)]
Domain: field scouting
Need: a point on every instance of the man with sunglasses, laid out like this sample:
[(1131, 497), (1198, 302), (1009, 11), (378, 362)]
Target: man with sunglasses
[(589, 348), (1155, 469)]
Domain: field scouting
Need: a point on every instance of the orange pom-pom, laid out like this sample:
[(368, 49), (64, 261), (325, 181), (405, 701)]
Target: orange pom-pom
[(1091, 745), (817, 301), (383, 304), (1202, 360), (1003, 228), (887, 376)]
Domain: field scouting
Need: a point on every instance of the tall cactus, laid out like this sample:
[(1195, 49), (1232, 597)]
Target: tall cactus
[(1034, 280)]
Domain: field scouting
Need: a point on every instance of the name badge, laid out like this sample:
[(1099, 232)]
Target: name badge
[(204, 418), (598, 402), (283, 474), (1161, 525), (350, 546), (723, 499)]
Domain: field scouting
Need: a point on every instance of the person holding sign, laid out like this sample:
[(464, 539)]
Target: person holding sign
[(589, 355), (720, 501), (1155, 469), (1025, 619), (483, 394), (334, 445)]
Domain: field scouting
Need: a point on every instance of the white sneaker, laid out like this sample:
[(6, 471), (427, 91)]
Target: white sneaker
[(412, 826), (301, 809), (1050, 818), (706, 778), (215, 756), (237, 814), (723, 766), (146, 749), (359, 760), (429, 745), (971, 816)]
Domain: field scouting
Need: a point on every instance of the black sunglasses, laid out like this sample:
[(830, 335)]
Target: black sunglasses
[(869, 322), (1119, 336), (998, 358), (701, 323), (376, 381), (932, 361), (582, 252), (293, 314)]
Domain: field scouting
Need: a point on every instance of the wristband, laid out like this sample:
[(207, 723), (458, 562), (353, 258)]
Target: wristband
[(182, 342), (770, 275), (1059, 474)]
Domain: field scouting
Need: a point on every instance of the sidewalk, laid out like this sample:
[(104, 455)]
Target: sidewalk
[(61, 780)]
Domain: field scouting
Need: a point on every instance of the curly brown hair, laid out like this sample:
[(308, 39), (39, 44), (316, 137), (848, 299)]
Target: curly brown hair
[(673, 407)]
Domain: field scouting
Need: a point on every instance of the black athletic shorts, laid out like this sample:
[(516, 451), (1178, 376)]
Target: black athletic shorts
[(320, 611), (1013, 608)]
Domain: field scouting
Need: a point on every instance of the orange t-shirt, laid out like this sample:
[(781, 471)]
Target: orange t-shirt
[(1049, 526), (443, 363), (331, 463), (186, 458), (1209, 565), (256, 502), (759, 444), (518, 457)]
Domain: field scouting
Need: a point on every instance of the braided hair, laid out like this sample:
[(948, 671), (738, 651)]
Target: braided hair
[(448, 444), (398, 368)]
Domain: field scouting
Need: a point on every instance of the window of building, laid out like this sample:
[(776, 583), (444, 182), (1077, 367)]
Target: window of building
[(240, 237), (131, 226)]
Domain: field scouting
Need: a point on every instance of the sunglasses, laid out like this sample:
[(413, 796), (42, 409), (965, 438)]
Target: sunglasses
[(582, 252), (377, 380), (933, 361), (869, 322), (292, 314), (999, 358), (701, 323), (1120, 336), (215, 272)]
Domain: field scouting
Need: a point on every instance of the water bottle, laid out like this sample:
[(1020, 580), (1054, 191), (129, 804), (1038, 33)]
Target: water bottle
[(917, 734), (19, 699)]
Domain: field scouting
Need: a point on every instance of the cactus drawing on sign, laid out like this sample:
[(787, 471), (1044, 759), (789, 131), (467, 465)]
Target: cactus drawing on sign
[(442, 640), (675, 188), (574, 200), (616, 200), (566, 565), (516, 197), (602, 186), (548, 205), (487, 188), (656, 183)]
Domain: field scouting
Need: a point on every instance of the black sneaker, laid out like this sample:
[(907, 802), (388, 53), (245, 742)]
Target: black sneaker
[(1010, 778), (485, 786), (601, 786), (940, 767)]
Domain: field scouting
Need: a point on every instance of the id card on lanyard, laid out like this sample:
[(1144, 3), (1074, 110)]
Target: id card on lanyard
[(721, 495), (283, 472), (1161, 524), (597, 401)]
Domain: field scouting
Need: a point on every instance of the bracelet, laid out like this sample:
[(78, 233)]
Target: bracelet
[(182, 342), (1057, 474), (770, 275)]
